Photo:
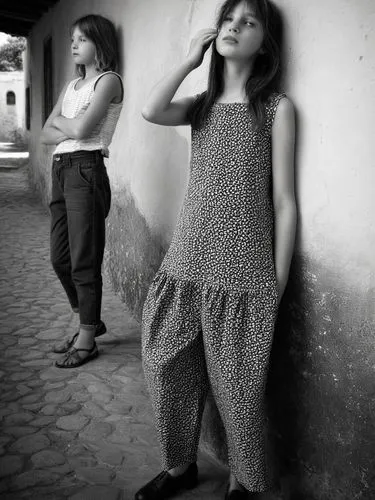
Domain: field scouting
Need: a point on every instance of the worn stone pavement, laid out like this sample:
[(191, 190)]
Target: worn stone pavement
[(81, 434)]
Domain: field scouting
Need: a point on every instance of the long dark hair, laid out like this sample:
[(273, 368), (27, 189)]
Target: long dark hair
[(265, 77), (102, 33)]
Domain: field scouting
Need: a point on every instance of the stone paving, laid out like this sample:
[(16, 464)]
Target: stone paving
[(81, 434)]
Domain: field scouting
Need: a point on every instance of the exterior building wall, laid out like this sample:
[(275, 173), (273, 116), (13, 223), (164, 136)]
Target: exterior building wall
[(321, 378), (12, 116)]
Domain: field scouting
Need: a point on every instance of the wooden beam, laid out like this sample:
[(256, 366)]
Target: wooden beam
[(32, 17), (17, 28), (18, 16)]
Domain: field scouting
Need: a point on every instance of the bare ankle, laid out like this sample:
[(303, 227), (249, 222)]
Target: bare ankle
[(85, 338)]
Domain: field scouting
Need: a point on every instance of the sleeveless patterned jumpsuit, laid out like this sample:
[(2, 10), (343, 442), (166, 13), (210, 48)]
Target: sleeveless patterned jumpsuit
[(209, 316)]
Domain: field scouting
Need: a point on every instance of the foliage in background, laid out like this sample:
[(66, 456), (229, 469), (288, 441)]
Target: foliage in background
[(11, 53)]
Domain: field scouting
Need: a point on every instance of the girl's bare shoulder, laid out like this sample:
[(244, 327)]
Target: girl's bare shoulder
[(109, 83), (284, 110)]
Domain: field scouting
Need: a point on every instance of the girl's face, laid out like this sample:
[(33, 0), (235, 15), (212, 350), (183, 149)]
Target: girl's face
[(241, 34), (83, 49)]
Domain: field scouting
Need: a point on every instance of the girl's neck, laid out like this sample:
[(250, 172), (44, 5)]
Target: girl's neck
[(235, 75), (91, 71)]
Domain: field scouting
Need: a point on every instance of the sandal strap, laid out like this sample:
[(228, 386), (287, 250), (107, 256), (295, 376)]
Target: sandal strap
[(73, 339), (69, 343), (73, 350), (72, 358)]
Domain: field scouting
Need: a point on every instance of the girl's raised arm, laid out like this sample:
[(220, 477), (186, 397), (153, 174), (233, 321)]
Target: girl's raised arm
[(107, 89), (50, 134), (160, 108), (283, 143)]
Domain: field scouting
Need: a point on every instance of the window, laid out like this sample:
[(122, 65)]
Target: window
[(11, 98), (48, 80)]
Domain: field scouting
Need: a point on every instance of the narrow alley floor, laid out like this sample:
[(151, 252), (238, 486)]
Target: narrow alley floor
[(79, 434)]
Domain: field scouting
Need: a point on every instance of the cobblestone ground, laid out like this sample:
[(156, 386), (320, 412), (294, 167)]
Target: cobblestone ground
[(80, 434)]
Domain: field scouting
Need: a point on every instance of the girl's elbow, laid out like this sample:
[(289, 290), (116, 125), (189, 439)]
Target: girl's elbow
[(147, 114), (44, 139), (79, 133), (151, 115), (77, 136)]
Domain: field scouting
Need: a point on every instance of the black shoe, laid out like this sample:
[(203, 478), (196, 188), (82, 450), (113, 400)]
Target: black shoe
[(236, 495), (67, 344), (164, 485)]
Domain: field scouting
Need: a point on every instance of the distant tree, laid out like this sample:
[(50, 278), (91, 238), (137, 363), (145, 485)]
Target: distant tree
[(11, 53)]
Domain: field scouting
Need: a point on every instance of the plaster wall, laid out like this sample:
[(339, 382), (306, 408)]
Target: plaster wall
[(12, 117), (321, 378)]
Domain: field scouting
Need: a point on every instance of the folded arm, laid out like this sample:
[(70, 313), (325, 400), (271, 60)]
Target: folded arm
[(107, 89), (50, 134)]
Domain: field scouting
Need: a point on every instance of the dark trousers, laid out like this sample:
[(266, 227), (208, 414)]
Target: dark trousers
[(81, 198)]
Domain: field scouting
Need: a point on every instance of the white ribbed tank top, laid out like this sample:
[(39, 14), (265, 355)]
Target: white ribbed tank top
[(74, 104)]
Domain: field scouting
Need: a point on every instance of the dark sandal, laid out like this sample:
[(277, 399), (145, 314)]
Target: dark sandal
[(65, 345), (73, 359), (68, 343)]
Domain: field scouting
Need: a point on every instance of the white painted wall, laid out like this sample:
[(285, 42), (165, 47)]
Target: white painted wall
[(12, 117), (330, 78)]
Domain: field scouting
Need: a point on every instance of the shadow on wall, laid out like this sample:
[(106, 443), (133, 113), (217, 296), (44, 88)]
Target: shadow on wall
[(320, 388), (320, 385), (40, 177), (285, 388), (133, 252)]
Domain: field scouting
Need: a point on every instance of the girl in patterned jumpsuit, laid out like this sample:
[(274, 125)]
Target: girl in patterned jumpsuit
[(208, 320)]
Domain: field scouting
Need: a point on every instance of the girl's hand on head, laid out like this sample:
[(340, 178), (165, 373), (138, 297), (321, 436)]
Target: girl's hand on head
[(199, 46)]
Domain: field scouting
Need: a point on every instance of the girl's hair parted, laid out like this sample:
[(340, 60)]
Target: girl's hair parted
[(102, 33), (265, 77)]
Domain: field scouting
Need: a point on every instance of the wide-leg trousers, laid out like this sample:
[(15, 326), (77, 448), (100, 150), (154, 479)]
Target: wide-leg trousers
[(197, 336)]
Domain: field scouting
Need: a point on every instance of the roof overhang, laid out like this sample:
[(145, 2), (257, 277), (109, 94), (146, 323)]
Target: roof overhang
[(17, 17)]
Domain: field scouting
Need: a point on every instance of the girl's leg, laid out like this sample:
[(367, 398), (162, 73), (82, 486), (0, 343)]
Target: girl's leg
[(174, 366), (87, 195), (60, 252), (87, 200), (238, 333)]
